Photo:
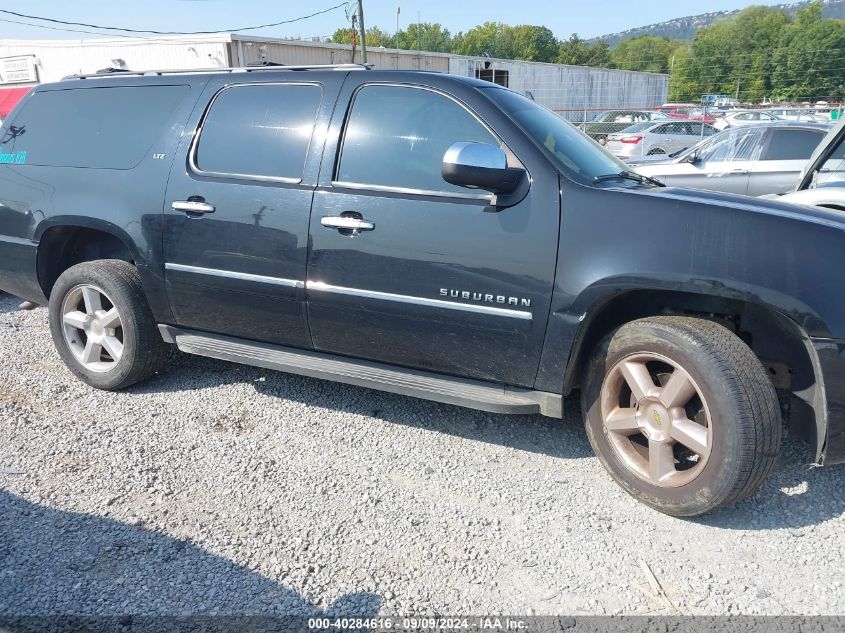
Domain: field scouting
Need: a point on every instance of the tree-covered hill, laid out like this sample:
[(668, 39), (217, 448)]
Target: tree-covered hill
[(686, 27)]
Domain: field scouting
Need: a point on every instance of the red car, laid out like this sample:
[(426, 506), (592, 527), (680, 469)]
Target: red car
[(687, 111)]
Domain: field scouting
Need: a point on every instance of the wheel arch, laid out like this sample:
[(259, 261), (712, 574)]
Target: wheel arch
[(65, 242), (782, 345)]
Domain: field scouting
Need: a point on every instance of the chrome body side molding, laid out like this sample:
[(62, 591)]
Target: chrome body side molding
[(230, 274)]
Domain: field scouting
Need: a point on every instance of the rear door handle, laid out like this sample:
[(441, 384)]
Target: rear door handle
[(195, 207), (346, 222), (739, 172)]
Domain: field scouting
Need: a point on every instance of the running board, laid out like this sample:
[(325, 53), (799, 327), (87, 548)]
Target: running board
[(462, 392)]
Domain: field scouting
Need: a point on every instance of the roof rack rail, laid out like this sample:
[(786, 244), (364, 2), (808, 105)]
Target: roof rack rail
[(233, 69)]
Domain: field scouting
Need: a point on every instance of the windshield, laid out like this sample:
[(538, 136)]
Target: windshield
[(830, 170), (574, 152)]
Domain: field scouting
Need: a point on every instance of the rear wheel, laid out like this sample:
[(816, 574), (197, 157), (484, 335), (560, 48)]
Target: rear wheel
[(102, 326), (681, 413), (655, 151)]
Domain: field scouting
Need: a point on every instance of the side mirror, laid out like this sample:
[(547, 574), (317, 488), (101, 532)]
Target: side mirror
[(692, 158), (481, 166)]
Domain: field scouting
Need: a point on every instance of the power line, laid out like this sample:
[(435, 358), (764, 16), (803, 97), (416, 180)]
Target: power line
[(127, 30), (56, 28)]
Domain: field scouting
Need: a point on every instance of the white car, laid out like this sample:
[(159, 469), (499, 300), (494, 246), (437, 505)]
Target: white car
[(739, 118), (799, 114), (652, 138)]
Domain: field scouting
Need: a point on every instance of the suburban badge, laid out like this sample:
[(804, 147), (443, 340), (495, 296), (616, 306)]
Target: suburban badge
[(482, 297)]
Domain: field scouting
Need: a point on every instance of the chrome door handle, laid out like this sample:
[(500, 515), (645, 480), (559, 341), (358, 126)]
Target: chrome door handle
[(739, 172), (346, 222), (192, 206)]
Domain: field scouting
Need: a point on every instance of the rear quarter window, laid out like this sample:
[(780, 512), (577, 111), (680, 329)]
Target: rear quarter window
[(103, 127), (792, 144)]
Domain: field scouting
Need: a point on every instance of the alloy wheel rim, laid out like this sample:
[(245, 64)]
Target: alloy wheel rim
[(92, 328), (656, 419)]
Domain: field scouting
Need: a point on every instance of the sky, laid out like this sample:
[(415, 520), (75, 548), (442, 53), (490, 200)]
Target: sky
[(588, 19)]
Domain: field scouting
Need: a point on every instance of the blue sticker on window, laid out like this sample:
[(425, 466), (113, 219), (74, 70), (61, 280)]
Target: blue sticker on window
[(13, 158)]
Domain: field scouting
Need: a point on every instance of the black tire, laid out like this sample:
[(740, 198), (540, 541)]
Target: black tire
[(742, 403), (654, 151), (144, 352)]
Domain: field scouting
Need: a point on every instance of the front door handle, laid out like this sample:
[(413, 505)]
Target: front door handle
[(739, 172), (349, 223), (192, 207)]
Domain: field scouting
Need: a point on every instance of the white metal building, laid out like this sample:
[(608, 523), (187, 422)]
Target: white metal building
[(24, 63)]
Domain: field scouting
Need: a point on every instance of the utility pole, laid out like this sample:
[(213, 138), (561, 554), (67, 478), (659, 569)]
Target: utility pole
[(354, 35), (363, 31), (398, 10)]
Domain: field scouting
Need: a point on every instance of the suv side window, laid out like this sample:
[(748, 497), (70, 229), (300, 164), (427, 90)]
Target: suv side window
[(396, 137), (88, 120), (733, 146), (258, 131), (792, 144)]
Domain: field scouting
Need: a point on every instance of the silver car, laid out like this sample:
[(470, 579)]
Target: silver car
[(799, 114), (748, 160), (741, 118), (657, 137)]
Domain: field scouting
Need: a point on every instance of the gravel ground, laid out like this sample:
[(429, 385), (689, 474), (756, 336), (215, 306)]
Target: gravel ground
[(218, 488)]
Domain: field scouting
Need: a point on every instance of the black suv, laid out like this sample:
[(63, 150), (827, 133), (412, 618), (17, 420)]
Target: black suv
[(429, 235)]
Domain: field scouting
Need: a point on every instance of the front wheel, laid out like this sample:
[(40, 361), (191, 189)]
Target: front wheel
[(681, 413), (102, 326)]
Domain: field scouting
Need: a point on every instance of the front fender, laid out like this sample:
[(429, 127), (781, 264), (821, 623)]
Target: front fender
[(725, 250), (766, 252)]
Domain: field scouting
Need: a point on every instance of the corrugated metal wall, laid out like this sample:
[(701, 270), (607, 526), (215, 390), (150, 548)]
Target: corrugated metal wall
[(571, 90), (299, 53)]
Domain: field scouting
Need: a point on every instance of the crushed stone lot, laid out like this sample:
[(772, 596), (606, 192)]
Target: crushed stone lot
[(219, 488)]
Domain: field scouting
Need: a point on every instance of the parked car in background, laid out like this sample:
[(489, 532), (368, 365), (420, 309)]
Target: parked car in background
[(822, 183), (718, 101), (690, 112), (676, 109), (739, 118), (616, 120), (799, 114), (657, 137), (747, 160)]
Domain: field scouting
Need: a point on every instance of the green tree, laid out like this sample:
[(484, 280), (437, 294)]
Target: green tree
[(432, 37), (735, 56), (600, 55), (375, 36), (534, 43), (807, 64), (574, 51), (646, 53), (344, 35), (682, 88), (491, 39)]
